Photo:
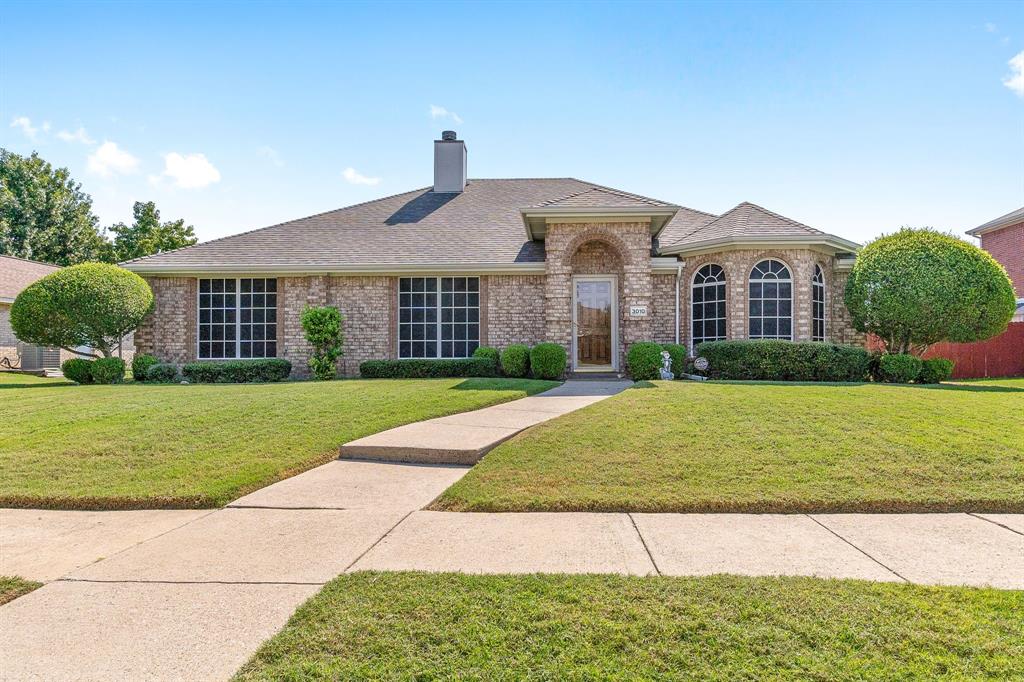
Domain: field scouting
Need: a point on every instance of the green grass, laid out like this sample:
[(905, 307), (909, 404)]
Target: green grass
[(762, 447), (148, 446), (17, 380), (12, 587), (406, 626)]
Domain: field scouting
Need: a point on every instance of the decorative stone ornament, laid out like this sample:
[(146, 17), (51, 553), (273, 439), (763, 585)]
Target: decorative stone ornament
[(701, 364), (666, 366)]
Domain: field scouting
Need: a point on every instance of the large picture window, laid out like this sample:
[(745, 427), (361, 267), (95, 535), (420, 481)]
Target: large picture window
[(237, 318), (438, 317), (818, 305), (770, 301), (707, 305)]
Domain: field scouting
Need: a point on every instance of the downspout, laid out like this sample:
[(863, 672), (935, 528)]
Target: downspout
[(679, 275)]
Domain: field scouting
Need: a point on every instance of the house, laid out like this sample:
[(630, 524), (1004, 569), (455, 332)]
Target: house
[(437, 271), (15, 275)]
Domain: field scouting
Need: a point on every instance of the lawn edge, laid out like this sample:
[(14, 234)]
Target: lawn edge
[(22, 588)]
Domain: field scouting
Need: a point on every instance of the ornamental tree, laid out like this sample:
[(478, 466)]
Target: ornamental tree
[(91, 304), (322, 327), (918, 287)]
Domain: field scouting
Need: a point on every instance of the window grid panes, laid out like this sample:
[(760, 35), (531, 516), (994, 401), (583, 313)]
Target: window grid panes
[(438, 317), (770, 310), (707, 305), (818, 305), (237, 318)]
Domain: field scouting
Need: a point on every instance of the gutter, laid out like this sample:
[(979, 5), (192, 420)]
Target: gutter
[(679, 275), (809, 240)]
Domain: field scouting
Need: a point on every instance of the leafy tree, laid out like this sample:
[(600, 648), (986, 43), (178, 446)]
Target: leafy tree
[(90, 304), (918, 287), (322, 326), (44, 214), (147, 235)]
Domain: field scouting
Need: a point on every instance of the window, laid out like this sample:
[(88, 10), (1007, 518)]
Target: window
[(818, 305), (438, 317), (707, 305), (237, 318), (771, 301)]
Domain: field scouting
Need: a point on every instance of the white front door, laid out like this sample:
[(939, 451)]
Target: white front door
[(595, 323)]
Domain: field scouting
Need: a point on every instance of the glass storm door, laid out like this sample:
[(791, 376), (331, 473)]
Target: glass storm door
[(595, 301)]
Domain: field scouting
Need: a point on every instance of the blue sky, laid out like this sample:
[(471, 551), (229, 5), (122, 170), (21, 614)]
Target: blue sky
[(854, 118)]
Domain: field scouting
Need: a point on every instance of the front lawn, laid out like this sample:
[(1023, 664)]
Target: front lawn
[(12, 587), (147, 446), (554, 627), (717, 446)]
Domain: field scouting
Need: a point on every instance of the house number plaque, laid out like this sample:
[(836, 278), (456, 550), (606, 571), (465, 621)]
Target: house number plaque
[(638, 311)]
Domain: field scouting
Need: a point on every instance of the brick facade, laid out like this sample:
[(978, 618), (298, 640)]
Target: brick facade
[(169, 331), (515, 310), (369, 308), (1007, 246)]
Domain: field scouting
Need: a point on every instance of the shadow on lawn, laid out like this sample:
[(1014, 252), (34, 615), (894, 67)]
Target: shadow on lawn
[(43, 385), (980, 388)]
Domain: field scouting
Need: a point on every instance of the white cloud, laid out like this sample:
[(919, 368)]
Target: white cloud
[(437, 112), (190, 171), (991, 28), (1015, 81), (353, 177), (271, 154), (77, 136), (109, 159), (25, 124)]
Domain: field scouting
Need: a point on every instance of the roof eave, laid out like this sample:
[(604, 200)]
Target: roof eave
[(538, 217), (181, 270), (1011, 218), (694, 248)]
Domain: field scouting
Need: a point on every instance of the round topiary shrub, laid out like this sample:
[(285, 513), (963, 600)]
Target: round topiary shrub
[(163, 373), (141, 364), (78, 370), (107, 371), (515, 360), (487, 352), (935, 371), (644, 360), (547, 360), (899, 368), (918, 287)]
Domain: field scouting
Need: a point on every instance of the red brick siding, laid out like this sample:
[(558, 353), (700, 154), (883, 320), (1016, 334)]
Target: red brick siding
[(1007, 246)]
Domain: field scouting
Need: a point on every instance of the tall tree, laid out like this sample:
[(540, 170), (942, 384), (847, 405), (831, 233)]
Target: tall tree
[(147, 235), (45, 215)]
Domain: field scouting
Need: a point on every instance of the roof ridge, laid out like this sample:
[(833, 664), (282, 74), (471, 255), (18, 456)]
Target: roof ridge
[(29, 260), (782, 217), (624, 193)]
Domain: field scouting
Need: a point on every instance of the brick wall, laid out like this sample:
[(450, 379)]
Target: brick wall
[(368, 305), (663, 308), (169, 331), (1007, 247), (515, 310)]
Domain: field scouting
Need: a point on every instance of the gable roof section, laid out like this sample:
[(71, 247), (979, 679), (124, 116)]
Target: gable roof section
[(18, 273), (1011, 218), (603, 197)]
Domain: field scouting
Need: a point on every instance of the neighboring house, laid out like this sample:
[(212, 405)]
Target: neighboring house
[(15, 275), (436, 272)]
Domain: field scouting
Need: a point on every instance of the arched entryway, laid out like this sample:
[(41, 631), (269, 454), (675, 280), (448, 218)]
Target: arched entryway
[(596, 314)]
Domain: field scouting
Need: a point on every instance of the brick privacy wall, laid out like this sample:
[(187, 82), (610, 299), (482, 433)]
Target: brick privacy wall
[(367, 304), (515, 309), (663, 308), (1007, 247), (169, 331)]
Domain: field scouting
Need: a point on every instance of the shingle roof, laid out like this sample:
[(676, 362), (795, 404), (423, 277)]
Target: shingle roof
[(603, 197), (745, 221), (1011, 218), (18, 273)]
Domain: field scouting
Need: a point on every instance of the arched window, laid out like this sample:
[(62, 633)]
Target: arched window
[(818, 305), (707, 305), (771, 301)]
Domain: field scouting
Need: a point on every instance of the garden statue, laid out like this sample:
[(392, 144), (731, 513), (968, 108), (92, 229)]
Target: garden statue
[(666, 366)]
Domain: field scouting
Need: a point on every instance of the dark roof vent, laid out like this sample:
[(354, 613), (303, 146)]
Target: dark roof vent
[(448, 135)]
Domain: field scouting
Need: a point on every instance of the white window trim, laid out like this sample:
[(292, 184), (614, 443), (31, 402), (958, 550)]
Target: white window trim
[(788, 280), (694, 285), (238, 320), (438, 341), (824, 304)]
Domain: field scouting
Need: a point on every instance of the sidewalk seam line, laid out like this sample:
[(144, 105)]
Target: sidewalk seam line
[(378, 541), (1001, 525), (644, 543), (857, 548), (188, 582), (259, 506)]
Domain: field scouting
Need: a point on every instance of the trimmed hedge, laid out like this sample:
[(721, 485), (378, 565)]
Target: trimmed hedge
[(141, 364), (772, 360), (935, 371), (644, 360), (237, 371), (679, 355), (487, 352), (515, 360), (899, 368), (548, 360), (107, 370), (78, 370), (428, 368), (163, 373)]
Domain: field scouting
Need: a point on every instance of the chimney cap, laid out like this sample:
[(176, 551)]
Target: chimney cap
[(448, 135)]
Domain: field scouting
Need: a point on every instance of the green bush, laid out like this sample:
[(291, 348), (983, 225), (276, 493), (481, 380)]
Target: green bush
[(107, 371), (141, 364), (322, 327), (679, 357), (78, 370), (91, 304), (547, 361), (644, 360), (489, 353), (428, 368), (163, 373), (515, 360), (772, 360), (237, 371), (918, 287), (899, 368), (935, 371)]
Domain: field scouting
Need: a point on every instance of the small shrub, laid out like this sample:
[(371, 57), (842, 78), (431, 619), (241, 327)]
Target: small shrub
[(107, 371), (935, 371), (163, 373), (428, 368), (899, 368), (772, 360), (644, 360), (515, 360), (141, 364), (78, 370), (237, 371), (322, 327), (547, 360), (679, 357), (489, 353)]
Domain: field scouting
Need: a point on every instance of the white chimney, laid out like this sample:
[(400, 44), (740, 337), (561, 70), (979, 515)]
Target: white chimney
[(449, 163)]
